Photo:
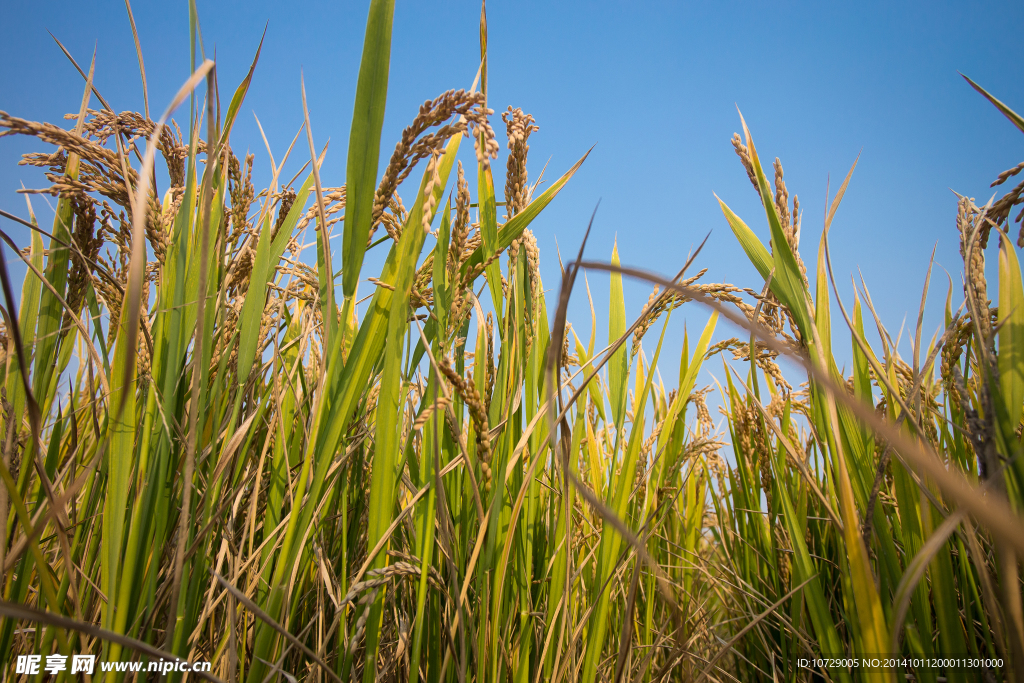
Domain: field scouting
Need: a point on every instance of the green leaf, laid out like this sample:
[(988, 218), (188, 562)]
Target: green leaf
[(618, 366), (804, 569), (822, 314), (489, 235), (388, 424), (364, 140), (28, 312), (345, 384), (694, 365), (442, 288), (328, 309), (861, 366), (50, 310), (687, 380), (755, 251), (240, 92), (1011, 332), (268, 251), (513, 229), (119, 459), (619, 488)]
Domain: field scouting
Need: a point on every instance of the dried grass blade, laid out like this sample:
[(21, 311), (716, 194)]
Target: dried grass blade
[(1014, 117)]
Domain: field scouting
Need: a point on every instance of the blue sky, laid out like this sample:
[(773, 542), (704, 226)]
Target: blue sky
[(654, 85)]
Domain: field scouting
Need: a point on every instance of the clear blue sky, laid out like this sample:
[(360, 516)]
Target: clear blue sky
[(655, 85)]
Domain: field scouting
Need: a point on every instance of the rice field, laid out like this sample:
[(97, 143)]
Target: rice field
[(207, 455)]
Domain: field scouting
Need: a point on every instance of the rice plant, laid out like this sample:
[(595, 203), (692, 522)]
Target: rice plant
[(210, 455)]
